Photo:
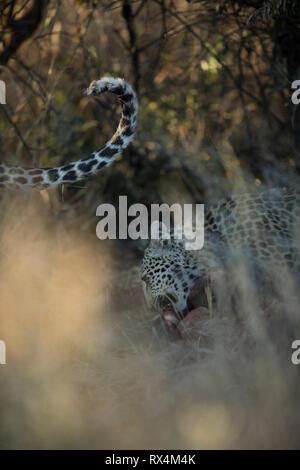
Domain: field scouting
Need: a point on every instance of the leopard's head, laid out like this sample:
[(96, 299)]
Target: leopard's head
[(169, 273)]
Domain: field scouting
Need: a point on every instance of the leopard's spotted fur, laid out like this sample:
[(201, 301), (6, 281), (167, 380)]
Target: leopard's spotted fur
[(261, 230), (20, 177)]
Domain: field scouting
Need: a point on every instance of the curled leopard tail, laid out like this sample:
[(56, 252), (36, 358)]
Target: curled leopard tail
[(20, 177)]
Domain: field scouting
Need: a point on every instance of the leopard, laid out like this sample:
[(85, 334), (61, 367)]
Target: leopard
[(19, 177), (254, 231), (260, 229)]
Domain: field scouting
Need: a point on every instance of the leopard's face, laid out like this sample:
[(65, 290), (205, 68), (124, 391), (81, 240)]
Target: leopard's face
[(258, 233), (169, 273)]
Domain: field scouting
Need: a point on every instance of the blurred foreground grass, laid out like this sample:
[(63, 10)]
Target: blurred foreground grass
[(81, 374)]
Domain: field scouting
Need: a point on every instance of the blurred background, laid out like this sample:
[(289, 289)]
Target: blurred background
[(85, 366)]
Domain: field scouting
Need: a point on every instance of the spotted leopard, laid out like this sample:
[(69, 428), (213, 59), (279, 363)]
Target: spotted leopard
[(21, 177), (260, 231)]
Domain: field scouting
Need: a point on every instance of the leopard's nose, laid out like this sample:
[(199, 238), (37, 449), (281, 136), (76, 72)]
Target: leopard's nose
[(171, 297), (167, 301), (164, 303)]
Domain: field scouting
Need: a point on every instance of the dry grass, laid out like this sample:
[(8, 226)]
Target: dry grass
[(80, 374)]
